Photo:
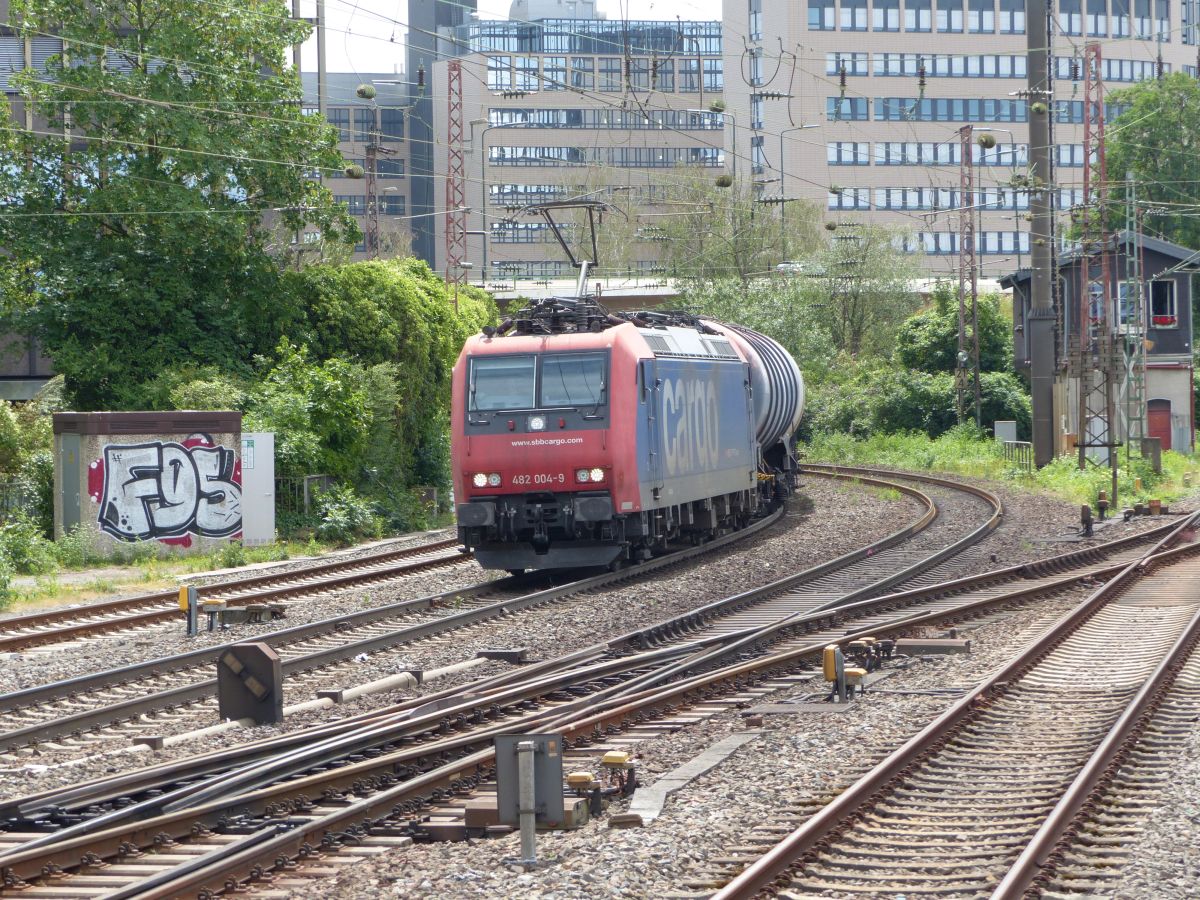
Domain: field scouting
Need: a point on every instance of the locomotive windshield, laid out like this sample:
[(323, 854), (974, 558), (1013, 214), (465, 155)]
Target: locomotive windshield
[(573, 379), (548, 381), (502, 382)]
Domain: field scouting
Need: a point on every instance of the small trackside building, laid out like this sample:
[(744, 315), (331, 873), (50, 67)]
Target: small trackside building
[(1167, 272)]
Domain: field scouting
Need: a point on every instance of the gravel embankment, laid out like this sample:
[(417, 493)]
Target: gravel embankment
[(829, 520)]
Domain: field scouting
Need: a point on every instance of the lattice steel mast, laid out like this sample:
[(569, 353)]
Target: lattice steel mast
[(1095, 358)]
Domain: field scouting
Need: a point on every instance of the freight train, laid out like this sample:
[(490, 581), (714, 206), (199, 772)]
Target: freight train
[(583, 438)]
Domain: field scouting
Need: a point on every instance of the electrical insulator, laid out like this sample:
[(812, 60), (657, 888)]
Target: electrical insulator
[(842, 77), (1074, 70), (921, 78), (420, 76)]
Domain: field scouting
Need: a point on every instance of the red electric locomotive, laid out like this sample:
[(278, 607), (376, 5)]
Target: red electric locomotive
[(582, 438)]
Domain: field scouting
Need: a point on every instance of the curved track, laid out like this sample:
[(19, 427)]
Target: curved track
[(969, 806), (382, 774)]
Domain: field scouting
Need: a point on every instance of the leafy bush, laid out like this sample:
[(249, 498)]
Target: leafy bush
[(230, 556), (25, 547), (928, 341), (35, 480), (345, 517), (74, 550), (7, 594), (890, 401)]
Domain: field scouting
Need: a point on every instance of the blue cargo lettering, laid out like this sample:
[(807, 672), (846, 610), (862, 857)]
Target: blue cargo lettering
[(691, 425)]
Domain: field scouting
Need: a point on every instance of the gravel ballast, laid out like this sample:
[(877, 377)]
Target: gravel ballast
[(831, 519)]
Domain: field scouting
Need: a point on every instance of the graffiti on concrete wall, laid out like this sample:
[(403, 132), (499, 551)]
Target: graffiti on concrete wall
[(167, 491)]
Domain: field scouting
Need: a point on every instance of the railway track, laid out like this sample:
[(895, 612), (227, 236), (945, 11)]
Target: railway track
[(395, 764), (978, 802), (59, 626), (120, 701)]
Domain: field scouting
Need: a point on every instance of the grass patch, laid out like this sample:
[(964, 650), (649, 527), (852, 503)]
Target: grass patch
[(962, 451)]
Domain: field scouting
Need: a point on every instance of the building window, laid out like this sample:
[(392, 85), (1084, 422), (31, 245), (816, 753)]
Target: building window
[(356, 204), (847, 109), (554, 73), (758, 159), (689, 75), (852, 63), (1097, 18), (981, 16), (639, 74), (755, 60), (756, 111), (1162, 12), (610, 73), (499, 74), (918, 15), (754, 7), (339, 118), (664, 75), (854, 15), (389, 168), (714, 75), (850, 198), (390, 205), (1163, 313), (822, 15), (848, 153), (364, 125), (1120, 18), (1141, 19), (885, 15), (949, 16), (583, 71), (1070, 16), (1012, 16), (914, 109), (391, 124)]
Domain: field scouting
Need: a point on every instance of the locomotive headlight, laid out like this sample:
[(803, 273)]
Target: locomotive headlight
[(582, 476), (537, 423), (480, 480), (597, 475), (493, 480)]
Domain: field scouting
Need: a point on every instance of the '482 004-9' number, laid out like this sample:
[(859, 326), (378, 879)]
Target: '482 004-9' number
[(560, 478)]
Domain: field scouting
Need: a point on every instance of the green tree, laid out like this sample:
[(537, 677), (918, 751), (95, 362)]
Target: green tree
[(144, 230), (709, 231), (1157, 139), (928, 340), (867, 283)]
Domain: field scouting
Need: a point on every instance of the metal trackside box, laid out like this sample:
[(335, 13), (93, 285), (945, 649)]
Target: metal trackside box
[(547, 777)]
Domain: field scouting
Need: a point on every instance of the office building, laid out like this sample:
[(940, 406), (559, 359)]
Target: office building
[(562, 108), (856, 105)]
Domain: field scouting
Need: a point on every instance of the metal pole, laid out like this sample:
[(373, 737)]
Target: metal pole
[(296, 47), (527, 799), (1041, 315), (483, 201), (322, 86)]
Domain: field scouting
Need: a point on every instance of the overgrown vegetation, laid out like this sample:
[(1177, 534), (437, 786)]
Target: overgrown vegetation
[(966, 451)]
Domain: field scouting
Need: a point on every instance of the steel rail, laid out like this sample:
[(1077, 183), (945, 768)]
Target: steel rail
[(677, 626), (738, 671), (805, 622), (1037, 861), (10, 642), (189, 693), (776, 863)]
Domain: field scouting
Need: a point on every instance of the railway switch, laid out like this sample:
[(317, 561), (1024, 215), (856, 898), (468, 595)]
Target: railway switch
[(1085, 519), (250, 684)]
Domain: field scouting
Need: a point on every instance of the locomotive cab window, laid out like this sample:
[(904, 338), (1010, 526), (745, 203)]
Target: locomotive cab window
[(573, 380), (502, 382)]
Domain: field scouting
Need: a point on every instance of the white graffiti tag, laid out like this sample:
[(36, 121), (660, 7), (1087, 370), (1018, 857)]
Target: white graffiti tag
[(162, 490), (691, 428)]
